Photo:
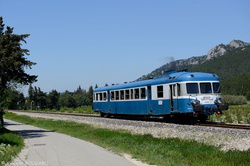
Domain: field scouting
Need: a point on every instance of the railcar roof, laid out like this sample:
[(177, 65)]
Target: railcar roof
[(168, 78)]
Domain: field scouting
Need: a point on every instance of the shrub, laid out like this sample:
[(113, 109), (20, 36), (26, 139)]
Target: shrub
[(234, 100), (10, 145), (248, 95)]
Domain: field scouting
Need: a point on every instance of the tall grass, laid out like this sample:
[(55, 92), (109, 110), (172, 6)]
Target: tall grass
[(238, 114), (144, 147), (10, 145)]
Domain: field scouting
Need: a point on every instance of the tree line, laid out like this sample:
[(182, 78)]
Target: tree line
[(40, 100)]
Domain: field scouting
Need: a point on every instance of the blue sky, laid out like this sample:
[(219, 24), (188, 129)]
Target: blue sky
[(88, 42)]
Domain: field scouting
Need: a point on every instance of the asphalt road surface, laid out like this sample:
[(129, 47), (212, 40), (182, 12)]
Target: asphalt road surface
[(45, 147)]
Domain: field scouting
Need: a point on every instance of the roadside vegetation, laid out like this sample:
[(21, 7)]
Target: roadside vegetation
[(81, 110), (10, 145), (238, 114), (143, 147)]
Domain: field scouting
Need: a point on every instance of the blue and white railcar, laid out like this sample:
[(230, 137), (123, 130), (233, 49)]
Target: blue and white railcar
[(173, 94)]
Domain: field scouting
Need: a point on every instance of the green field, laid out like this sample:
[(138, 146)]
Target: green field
[(143, 147)]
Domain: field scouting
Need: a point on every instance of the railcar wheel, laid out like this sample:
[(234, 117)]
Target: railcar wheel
[(203, 118), (167, 118), (105, 115), (102, 114)]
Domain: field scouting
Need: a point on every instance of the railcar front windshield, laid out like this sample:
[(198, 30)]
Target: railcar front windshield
[(192, 88), (216, 87), (203, 87), (206, 87)]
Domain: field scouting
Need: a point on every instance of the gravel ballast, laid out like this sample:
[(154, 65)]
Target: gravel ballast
[(225, 139)]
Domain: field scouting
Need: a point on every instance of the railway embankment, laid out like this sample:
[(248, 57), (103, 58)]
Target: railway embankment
[(225, 139)]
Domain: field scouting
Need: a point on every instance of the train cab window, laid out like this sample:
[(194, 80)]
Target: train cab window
[(216, 87), (132, 93), (137, 94), (206, 87), (121, 94), (116, 95), (160, 91), (143, 93), (112, 95), (127, 94), (192, 88)]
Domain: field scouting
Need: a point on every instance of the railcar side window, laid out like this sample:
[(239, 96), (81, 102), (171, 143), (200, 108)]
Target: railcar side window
[(132, 93), (116, 95), (206, 87), (121, 94), (104, 96), (112, 95), (100, 95), (160, 91), (96, 97), (216, 87), (127, 94), (143, 93), (137, 93), (192, 88)]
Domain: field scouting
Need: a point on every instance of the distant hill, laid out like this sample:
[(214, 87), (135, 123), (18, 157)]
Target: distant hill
[(230, 62)]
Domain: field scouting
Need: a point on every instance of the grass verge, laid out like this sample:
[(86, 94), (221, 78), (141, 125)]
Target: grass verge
[(10, 145), (144, 147)]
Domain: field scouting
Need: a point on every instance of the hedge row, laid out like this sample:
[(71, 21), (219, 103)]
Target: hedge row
[(234, 100)]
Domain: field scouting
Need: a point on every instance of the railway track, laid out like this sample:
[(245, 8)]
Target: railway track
[(206, 124), (224, 125)]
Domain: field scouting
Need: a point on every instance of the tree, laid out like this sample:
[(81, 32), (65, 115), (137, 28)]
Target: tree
[(66, 100), (14, 99), (41, 99), (13, 61), (53, 98), (90, 96), (80, 97)]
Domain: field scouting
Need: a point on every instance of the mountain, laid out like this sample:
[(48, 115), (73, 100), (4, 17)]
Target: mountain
[(196, 63), (230, 62)]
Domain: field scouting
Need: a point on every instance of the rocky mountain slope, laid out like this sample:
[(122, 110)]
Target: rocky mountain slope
[(190, 63)]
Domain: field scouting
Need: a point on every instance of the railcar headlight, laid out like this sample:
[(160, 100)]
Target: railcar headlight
[(217, 101), (195, 102)]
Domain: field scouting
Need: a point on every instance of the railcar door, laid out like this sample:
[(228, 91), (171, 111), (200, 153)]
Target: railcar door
[(174, 90), (149, 99)]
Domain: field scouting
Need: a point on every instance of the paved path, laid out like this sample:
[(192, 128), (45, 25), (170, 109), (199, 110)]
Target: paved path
[(44, 147)]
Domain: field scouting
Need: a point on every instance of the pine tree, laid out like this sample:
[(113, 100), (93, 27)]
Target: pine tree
[(12, 61)]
